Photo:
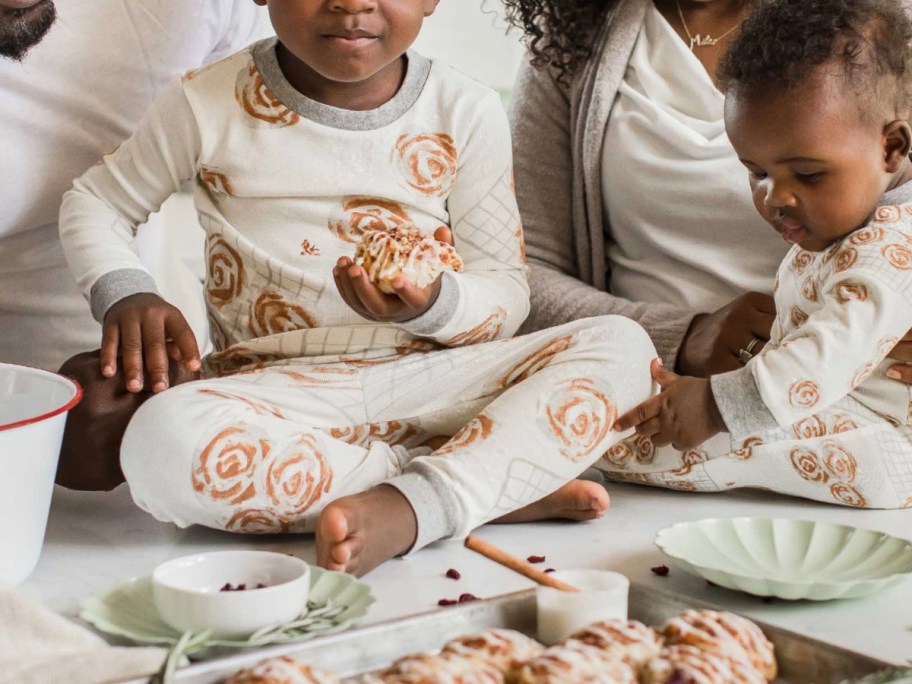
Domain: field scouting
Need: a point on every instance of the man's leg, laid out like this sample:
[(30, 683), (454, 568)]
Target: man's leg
[(90, 452)]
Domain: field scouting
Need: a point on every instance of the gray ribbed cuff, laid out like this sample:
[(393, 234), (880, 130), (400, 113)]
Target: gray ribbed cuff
[(431, 500), (117, 285), (741, 405), (441, 312), (668, 336)]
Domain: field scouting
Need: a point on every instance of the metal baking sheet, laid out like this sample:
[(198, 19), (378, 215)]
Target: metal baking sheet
[(802, 660)]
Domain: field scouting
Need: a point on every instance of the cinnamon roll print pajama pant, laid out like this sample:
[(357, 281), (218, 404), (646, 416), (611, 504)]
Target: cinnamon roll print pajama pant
[(265, 451)]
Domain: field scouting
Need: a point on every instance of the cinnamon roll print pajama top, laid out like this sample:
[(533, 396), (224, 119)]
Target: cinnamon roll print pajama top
[(303, 400), (814, 414)]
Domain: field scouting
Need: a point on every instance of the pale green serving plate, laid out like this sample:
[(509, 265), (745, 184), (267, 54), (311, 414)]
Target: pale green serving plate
[(789, 559), (337, 601)]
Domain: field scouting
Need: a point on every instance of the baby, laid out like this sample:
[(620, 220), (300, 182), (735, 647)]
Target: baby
[(817, 108)]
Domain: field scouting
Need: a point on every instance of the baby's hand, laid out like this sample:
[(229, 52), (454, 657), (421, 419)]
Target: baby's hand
[(408, 301), (684, 415), (145, 325)]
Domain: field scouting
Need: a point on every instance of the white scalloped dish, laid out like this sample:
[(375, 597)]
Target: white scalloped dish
[(789, 559)]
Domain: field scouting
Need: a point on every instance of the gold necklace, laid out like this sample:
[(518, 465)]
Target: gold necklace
[(701, 40)]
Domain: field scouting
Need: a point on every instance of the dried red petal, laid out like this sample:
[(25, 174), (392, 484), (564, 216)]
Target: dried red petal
[(549, 570), (466, 598), (227, 587), (260, 585), (536, 559), (453, 574), (447, 602), (660, 570)]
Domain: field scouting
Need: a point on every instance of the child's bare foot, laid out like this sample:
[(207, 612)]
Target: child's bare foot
[(357, 533), (576, 500)]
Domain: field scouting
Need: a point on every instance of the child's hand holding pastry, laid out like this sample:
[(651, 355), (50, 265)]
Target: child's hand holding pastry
[(684, 415), (395, 275), (145, 326)]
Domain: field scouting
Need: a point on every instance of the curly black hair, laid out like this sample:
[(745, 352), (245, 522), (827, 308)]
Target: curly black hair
[(559, 33), (784, 42)]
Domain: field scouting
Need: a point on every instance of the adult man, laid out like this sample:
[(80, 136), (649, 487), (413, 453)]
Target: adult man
[(75, 81), (72, 90)]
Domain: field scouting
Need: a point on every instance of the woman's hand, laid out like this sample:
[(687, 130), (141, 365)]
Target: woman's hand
[(714, 342), (363, 296), (902, 352), (684, 415)]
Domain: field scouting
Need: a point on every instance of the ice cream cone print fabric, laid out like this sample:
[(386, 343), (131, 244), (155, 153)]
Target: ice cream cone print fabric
[(844, 430), (264, 451), (283, 190), (839, 314)]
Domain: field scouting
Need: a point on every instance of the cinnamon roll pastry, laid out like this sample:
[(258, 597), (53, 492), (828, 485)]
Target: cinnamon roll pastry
[(574, 663), (407, 252), (691, 665), (632, 641), (282, 670), (723, 632), (505, 649), (445, 668)]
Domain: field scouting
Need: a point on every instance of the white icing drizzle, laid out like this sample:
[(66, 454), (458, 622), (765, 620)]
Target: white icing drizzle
[(404, 251)]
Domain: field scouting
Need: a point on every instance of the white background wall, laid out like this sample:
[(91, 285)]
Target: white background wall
[(471, 35)]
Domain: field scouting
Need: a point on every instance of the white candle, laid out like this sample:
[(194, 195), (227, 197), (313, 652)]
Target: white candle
[(602, 596)]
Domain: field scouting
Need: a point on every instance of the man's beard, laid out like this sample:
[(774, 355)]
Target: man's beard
[(21, 29)]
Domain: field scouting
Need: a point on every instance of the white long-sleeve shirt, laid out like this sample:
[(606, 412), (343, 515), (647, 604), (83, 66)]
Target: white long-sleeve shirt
[(284, 187), (839, 313), (76, 95)]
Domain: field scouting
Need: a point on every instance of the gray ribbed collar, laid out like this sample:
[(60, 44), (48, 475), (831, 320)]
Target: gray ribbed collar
[(901, 194), (416, 75)]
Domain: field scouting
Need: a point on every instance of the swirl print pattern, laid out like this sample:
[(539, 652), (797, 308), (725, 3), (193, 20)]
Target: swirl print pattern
[(428, 162), (580, 417)]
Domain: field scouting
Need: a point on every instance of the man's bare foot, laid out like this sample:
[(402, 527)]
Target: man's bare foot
[(357, 533), (576, 500)]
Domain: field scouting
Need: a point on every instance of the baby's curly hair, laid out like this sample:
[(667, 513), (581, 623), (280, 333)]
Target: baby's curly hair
[(559, 33), (784, 42)]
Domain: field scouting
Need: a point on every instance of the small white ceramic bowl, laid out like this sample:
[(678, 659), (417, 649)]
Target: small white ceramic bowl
[(188, 594), (33, 410), (789, 559)]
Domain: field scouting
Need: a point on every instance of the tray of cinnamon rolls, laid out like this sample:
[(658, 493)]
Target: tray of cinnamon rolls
[(668, 639)]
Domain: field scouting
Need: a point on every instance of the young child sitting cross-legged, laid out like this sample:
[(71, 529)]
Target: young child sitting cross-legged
[(322, 390), (817, 108)]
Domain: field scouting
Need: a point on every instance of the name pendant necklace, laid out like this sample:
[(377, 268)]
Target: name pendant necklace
[(700, 40)]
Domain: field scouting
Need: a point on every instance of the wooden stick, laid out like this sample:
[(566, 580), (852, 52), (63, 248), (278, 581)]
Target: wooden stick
[(515, 564)]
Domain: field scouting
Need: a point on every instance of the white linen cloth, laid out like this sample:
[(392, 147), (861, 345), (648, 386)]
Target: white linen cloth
[(38, 646), (677, 197)]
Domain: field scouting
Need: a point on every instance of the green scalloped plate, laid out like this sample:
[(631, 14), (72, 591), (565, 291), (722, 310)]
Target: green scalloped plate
[(127, 609)]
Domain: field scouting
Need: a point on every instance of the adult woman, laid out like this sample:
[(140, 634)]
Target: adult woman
[(634, 202)]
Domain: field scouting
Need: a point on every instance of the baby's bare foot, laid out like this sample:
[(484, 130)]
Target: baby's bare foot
[(357, 533), (576, 500)]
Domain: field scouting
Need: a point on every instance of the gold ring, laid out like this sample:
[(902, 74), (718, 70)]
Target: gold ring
[(745, 355)]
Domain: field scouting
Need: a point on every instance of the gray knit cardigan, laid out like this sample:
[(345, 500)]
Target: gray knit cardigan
[(558, 134)]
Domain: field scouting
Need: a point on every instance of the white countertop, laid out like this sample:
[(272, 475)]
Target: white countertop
[(94, 540)]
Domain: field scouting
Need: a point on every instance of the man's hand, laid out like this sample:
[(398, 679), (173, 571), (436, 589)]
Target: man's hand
[(902, 352), (90, 453), (684, 415), (146, 326), (364, 297), (713, 343)]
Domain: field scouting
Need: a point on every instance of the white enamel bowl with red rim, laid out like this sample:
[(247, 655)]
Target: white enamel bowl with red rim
[(33, 409)]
